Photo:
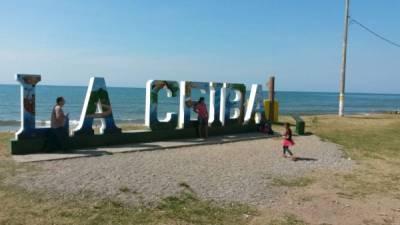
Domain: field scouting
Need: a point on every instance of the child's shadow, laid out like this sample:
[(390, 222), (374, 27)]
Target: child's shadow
[(304, 159)]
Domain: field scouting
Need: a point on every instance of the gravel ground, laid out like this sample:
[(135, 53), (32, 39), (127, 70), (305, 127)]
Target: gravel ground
[(233, 172)]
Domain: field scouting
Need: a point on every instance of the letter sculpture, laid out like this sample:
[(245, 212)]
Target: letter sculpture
[(97, 99), (151, 114), (28, 107)]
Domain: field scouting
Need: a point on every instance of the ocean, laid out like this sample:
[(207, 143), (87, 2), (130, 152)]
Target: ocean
[(129, 103)]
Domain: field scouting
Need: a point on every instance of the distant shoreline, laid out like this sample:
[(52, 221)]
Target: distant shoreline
[(247, 86)]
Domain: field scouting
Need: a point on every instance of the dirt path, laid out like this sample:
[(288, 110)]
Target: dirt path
[(325, 202)]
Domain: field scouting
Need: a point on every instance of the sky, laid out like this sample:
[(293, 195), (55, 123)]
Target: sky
[(130, 42)]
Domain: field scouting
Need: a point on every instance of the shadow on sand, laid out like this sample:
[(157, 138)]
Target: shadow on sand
[(304, 159)]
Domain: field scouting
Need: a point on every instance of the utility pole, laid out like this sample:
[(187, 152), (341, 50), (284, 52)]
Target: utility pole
[(271, 94), (344, 55)]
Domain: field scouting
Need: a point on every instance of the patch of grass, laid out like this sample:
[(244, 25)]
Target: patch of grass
[(4, 144), (295, 182), (124, 189), (278, 127), (362, 183), (288, 219), (363, 137), (190, 209), (373, 141), (22, 207), (130, 127), (307, 198)]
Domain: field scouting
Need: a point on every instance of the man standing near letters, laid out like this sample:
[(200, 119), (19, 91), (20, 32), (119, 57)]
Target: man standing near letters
[(59, 130)]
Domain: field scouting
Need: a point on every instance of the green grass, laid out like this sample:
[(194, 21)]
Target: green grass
[(372, 137), (362, 183), (4, 144), (288, 219), (294, 182), (21, 207), (124, 189), (188, 208), (373, 141)]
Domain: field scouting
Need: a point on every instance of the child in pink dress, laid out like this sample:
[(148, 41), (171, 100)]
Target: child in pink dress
[(287, 141)]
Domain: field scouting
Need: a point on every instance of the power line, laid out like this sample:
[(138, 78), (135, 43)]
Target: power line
[(374, 33)]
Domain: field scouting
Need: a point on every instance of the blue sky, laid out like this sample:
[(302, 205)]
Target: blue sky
[(129, 42)]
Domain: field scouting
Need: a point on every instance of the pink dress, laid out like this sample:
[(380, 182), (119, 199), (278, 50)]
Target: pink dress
[(287, 142)]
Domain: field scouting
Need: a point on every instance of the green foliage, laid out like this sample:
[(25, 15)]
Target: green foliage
[(288, 219), (239, 87), (188, 208), (95, 96), (295, 182)]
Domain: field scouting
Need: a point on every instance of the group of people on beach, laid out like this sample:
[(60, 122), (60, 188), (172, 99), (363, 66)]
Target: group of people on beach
[(59, 132)]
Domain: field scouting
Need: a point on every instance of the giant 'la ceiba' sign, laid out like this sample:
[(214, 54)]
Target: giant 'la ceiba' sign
[(228, 114), (226, 106)]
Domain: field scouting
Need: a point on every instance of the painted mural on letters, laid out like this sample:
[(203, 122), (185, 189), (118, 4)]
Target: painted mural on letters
[(255, 112), (170, 122), (97, 105), (28, 106), (186, 101), (233, 100), (225, 101)]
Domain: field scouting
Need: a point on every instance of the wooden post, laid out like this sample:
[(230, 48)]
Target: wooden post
[(271, 96)]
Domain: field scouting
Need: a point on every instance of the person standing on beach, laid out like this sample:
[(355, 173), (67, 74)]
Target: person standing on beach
[(202, 117), (287, 142), (58, 126)]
